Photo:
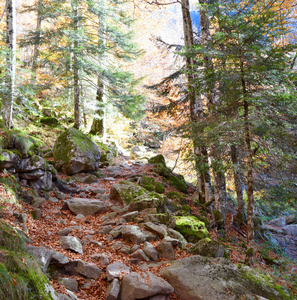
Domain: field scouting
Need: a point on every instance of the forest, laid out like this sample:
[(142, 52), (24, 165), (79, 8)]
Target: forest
[(137, 137)]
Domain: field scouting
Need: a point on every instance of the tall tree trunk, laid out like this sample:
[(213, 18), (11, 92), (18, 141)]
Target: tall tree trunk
[(99, 122), (238, 185), (249, 154), (76, 86), (10, 63), (37, 41), (220, 195), (196, 104)]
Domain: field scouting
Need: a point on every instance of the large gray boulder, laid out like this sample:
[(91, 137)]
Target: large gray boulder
[(85, 206), (136, 287), (197, 278), (75, 152)]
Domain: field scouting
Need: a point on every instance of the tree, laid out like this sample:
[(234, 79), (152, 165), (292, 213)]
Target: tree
[(9, 97), (254, 79)]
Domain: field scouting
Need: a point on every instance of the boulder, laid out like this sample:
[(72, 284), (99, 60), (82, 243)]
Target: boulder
[(197, 278), (69, 283), (159, 230), (136, 287), (9, 159), (158, 159), (139, 254), (71, 243), (116, 270), (207, 247), (42, 255), (127, 193), (113, 290), (177, 235), (166, 250), (150, 251), (88, 270), (135, 235), (165, 218), (191, 228), (86, 178), (290, 229), (281, 221), (75, 152), (85, 206)]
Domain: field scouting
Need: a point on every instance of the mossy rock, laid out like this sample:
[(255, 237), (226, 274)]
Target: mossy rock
[(164, 218), (74, 152), (178, 182), (158, 159), (151, 185), (49, 121), (21, 276), (191, 228), (177, 197), (162, 170), (126, 193), (17, 141), (208, 248)]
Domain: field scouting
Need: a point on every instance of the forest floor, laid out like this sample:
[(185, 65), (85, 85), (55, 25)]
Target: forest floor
[(43, 233)]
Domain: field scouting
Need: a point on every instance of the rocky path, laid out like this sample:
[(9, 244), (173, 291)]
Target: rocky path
[(99, 250)]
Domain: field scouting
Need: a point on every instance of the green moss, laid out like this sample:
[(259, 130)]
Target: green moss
[(158, 159), (218, 218), (10, 239), (162, 170), (159, 188), (66, 141), (192, 229), (178, 183), (49, 121)]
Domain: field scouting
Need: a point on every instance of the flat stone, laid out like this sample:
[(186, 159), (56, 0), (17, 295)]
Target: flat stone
[(71, 243), (86, 206), (88, 270), (64, 232), (116, 270), (69, 283)]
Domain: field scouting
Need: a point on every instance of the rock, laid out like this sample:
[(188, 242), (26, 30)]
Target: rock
[(36, 214), (85, 206), (135, 235), (74, 152), (105, 229), (42, 255), (290, 229), (33, 163), (160, 297), (88, 270), (197, 278), (38, 201), (165, 218), (86, 178), (173, 242), (99, 191), (130, 216), (71, 243), (63, 297), (102, 258), (277, 222), (166, 250), (64, 232), (159, 230), (140, 255), (191, 228), (59, 259), (69, 283), (9, 159), (116, 270), (135, 287), (53, 199), (45, 182), (150, 251), (208, 248), (128, 193), (60, 195), (34, 175), (291, 220), (113, 290), (158, 159), (71, 295), (176, 235)]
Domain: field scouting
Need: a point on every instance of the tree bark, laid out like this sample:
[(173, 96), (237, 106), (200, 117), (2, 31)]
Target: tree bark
[(99, 122), (10, 63), (249, 154), (196, 105), (37, 42), (220, 195), (238, 185), (76, 85)]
